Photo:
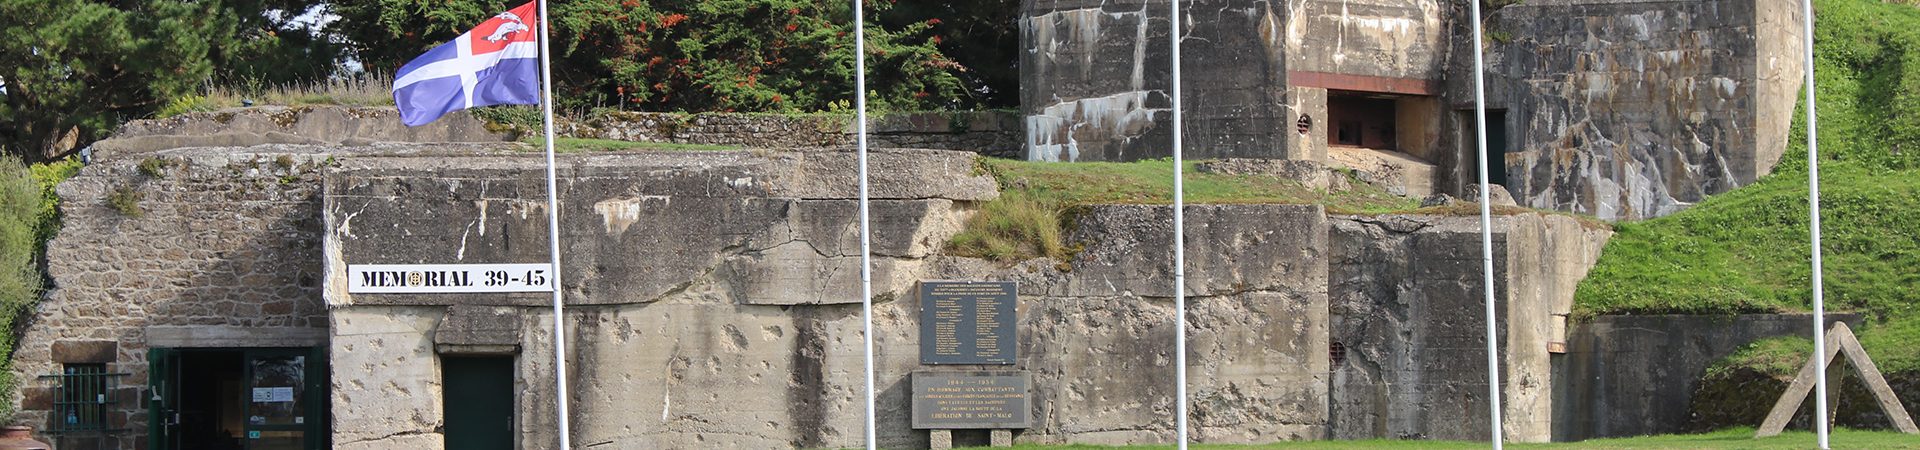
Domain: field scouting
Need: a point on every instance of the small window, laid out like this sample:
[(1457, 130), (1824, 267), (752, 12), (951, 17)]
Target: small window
[(80, 401)]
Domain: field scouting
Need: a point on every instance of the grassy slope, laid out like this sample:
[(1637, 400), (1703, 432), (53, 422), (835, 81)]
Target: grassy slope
[(1748, 251)]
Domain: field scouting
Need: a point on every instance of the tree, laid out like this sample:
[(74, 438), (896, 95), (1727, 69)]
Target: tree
[(689, 55), (982, 35), (78, 68)]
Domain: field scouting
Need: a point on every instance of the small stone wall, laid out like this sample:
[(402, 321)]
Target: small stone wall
[(991, 133), (1635, 375)]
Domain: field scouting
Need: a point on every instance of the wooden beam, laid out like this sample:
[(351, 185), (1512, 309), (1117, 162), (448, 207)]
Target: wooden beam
[(1840, 340)]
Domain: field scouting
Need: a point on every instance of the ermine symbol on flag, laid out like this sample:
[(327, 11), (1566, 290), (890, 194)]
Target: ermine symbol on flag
[(496, 63)]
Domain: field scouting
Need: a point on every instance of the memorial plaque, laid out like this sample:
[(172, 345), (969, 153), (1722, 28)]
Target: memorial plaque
[(971, 400), (963, 322)]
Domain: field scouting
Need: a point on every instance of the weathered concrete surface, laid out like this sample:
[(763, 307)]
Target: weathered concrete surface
[(1378, 38), (1406, 306), (1636, 375), (1096, 85), (746, 333), (225, 243), (1630, 110)]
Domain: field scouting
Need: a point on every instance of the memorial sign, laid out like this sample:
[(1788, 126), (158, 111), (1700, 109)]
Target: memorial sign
[(964, 322), (972, 400), (447, 278)]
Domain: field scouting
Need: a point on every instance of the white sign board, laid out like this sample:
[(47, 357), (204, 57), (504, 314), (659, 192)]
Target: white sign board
[(272, 394), (448, 278)]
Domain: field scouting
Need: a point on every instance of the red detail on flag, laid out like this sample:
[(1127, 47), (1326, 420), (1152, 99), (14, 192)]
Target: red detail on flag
[(520, 24)]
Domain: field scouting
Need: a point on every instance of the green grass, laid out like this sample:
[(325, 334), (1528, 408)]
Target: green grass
[(1736, 438), (578, 145)]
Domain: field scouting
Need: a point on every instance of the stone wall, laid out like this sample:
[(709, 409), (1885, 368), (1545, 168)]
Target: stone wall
[(1636, 375), (224, 250), (991, 133), (1628, 110), (721, 290), (1407, 310)]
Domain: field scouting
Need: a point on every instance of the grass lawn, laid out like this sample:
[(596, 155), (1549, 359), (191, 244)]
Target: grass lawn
[(1737, 438)]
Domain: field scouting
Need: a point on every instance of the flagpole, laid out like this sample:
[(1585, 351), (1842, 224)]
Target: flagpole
[(866, 253), (1813, 206), (553, 236), (1179, 244), (1486, 227)]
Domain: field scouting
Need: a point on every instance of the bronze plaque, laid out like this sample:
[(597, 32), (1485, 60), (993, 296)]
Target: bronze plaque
[(972, 400)]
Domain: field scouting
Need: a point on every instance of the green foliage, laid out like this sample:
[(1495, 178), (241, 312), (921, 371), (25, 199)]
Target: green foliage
[(126, 200), (510, 118), (1867, 69), (75, 69), (1018, 225), (155, 167), (27, 218), (687, 55)]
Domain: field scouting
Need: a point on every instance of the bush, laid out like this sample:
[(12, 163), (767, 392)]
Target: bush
[(22, 208)]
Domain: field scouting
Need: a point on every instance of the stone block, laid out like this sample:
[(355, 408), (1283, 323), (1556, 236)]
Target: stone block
[(81, 352)]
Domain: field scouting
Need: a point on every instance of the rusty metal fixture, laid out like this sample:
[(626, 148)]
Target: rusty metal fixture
[(20, 437)]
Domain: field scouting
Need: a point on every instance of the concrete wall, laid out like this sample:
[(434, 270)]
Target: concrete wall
[(1407, 307), (1636, 375), (1096, 80), (1630, 110), (1405, 39), (720, 290), (225, 253)]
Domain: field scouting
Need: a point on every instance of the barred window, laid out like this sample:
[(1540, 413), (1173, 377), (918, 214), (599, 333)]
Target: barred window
[(80, 401)]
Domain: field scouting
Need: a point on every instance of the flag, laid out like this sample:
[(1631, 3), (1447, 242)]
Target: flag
[(496, 63)]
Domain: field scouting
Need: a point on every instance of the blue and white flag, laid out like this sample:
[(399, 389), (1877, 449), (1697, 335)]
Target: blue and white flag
[(496, 63)]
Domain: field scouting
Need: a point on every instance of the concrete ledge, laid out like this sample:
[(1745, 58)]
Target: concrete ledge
[(229, 336)]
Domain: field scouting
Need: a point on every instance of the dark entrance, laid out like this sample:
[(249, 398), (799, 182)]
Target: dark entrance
[(1497, 148), (236, 399), (478, 401)]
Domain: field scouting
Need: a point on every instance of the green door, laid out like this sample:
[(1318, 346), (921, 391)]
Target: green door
[(478, 401), (162, 394)]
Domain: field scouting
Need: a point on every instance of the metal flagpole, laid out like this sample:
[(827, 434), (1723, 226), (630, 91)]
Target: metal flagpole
[(1179, 245), (866, 251), (1486, 226), (1813, 205), (553, 237)]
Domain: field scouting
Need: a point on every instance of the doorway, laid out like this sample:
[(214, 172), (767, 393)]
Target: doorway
[(478, 401), (236, 399), (1497, 147)]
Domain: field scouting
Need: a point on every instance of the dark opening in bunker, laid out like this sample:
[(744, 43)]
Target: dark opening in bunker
[(1361, 120)]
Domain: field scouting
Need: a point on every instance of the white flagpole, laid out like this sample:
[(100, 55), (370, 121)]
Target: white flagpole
[(866, 252), (1486, 227), (553, 237), (1179, 245), (1813, 205)]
